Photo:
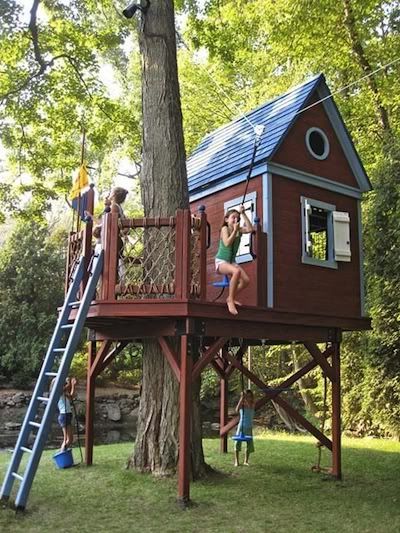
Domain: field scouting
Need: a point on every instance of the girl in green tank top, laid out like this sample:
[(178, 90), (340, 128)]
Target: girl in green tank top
[(229, 243)]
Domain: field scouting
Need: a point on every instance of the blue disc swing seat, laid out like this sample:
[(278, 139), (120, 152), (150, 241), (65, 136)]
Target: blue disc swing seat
[(222, 283), (241, 437)]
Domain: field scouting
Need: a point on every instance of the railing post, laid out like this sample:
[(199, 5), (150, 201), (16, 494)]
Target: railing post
[(179, 239), (67, 270), (109, 236), (203, 252), (87, 235), (186, 254)]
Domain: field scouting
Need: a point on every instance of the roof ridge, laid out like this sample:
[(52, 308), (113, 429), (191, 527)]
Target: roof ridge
[(243, 116)]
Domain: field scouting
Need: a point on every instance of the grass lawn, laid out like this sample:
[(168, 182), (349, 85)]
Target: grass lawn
[(276, 493)]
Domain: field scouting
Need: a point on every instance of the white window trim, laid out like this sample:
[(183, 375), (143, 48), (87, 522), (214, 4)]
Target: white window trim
[(250, 197), (326, 141), (330, 262)]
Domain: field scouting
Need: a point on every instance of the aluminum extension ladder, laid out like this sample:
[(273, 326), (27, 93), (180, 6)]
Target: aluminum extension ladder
[(55, 366)]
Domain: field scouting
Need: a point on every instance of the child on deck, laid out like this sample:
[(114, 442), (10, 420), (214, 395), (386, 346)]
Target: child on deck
[(225, 259), (245, 408), (65, 410)]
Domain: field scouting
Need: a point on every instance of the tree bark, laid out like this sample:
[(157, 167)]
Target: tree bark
[(164, 189)]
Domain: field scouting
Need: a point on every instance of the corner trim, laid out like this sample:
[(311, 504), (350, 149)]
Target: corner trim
[(268, 228), (361, 255), (344, 138)]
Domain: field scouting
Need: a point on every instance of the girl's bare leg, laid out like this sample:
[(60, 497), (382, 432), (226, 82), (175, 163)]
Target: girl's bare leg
[(65, 439), (70, 436), (246, 458), (243, 283), (234, 272), (236, 458), (232, 293)]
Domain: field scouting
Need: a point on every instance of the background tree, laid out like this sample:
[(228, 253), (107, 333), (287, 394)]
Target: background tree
[(31, 286)]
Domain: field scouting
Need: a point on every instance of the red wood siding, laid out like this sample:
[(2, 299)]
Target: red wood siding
[(215, 215), (294, 153), (304, 288)]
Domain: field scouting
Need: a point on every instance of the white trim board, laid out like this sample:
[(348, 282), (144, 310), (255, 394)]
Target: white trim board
[(313, 179)]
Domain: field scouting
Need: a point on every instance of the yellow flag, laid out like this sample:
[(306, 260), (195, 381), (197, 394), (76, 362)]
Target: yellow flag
[(81, 181)]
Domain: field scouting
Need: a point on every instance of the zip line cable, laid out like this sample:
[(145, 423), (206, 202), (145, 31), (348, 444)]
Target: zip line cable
[(338, 91), (349, 85)]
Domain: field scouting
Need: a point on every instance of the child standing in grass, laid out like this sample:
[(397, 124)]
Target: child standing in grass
[(245, 408), (65, 412)]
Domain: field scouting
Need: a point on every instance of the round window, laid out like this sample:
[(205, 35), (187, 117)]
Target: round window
[(317, 143)]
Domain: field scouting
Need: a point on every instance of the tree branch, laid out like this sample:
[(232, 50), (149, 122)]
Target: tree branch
[(35, 38), (45, 65), (359, 52)]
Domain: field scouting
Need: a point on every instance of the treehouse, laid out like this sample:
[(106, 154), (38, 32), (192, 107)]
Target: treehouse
[(153, 277)]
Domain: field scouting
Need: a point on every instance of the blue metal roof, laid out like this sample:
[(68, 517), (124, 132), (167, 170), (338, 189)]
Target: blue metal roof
[(228, 150)]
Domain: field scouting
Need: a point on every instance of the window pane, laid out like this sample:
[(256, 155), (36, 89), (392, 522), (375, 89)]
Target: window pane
[(244, 247), (318, 227)]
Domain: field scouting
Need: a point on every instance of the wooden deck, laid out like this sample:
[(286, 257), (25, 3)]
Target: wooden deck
[(124, 320)]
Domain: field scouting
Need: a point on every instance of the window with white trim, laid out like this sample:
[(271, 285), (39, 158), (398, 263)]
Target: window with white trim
[(317, 230), (325, 234), (243, 255)]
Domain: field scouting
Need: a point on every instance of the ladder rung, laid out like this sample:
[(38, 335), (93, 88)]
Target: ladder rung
[(74, 303), (42, 398), (51, 374), (17, 476), (34, 424), (27, 450), (67, 326), (59, 350)]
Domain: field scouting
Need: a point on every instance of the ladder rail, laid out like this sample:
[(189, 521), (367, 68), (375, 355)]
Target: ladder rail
[(41, 437), (39, 387)]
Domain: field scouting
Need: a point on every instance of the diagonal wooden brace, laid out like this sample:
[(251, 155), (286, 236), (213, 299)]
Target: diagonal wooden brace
[(239, 354), (207, 357), (318, 356), (274, 395), (103, 352), (171, 356), (112, 354)]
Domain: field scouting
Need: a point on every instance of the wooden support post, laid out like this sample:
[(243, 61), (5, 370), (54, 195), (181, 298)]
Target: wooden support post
[(223, 409), (336, 414), (185, 399), (90, 390)]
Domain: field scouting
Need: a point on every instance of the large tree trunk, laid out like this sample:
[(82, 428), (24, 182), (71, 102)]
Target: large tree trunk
[(164, 189)]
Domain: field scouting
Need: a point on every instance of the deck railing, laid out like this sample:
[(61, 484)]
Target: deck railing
[(80, 242), (153, 258), (157, 258)]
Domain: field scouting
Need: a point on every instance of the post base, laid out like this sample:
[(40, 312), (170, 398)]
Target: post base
[(183, 502)]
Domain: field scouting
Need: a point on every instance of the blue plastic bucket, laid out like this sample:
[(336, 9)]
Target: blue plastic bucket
[(63, 459)]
